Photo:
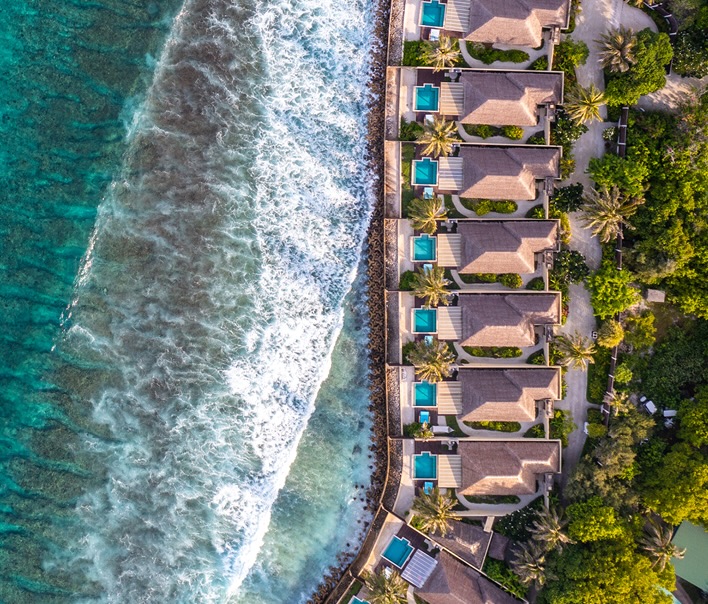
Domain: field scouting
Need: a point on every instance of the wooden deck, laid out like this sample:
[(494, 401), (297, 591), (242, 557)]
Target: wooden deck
[(450, 323), (452, 98), (449, 250)]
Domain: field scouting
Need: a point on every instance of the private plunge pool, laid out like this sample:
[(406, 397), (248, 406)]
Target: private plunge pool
[(425, 466), (398, 551), (425, 172), (425, 320), (424, 248), (433, 14), (427, 98), (425, 394)]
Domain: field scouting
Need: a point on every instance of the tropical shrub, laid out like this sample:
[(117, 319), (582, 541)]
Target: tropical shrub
[(611, 290), (511, 280), (515, 133), (410, 131), (407, 281), (536, 284), (495, 426), (623, 374), (569, 198), (491, 55), (568, 55), (610, 334), (691, 53), (540, 64), (640, 332), (495, 352), (652, 53), (504, 207)]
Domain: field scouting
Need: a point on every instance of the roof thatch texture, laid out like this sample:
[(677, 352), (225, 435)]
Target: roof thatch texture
[(508, 97), (454, 583), (467, 541), (506, 172), (507, 395), (507, 246), (506, 467), (506, 319), (515, 22)]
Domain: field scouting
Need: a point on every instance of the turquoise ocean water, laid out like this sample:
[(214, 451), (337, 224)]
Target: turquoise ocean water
[(184, 196)]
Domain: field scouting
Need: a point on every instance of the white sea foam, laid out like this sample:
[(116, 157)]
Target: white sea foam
[(211, 294)]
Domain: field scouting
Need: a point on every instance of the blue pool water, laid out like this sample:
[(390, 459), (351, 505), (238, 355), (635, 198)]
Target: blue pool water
[(427, 98), (433, 14), (425, 171), (425, 394), (398, 551), (426, 465), (356, 600), (424, 248), (425, 320)]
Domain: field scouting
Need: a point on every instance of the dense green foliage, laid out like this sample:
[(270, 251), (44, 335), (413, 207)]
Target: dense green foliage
[(610, 334), (568, 55), (611, 290), (564, 132), (592, 520), (568, 199), (691, 43), (669, 247), (652, 52), (679, 366), (502, 574), (495, 352), (410, 131), (491, 55), (629, 175), (640, 332), (495, 426)]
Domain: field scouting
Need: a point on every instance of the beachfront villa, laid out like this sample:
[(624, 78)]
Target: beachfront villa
[(505, 246), (497, 319), (452, 582), (511, 22), (508, 394), (498, 172), (499, 98)]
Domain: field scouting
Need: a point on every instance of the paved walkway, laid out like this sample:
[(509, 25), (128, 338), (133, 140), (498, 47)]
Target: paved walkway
[(678, 90)]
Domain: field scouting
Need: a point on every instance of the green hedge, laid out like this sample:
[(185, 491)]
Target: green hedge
[(536, 212), (537, 358), (512, 280), (409, 131), (597, 375), (481, 207), (407, 281), (536, 284), (491, 55), (494, 352), (410, 430), (412, 53), (502, 574), (495, 426), (537, 431), (493, 499)]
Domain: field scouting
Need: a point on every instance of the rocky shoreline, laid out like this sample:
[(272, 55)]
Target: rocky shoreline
[(337, 580)]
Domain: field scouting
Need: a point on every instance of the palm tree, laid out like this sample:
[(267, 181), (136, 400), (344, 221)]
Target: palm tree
[(424, 432), (547, 529), (425, 213), (583, 104), (432, 360), (606, 212), (576, 350), (431, 285), (385, 589), (656, 542), (617, 49), (438, 137), (529, 564), (441, 54), (435, 512), (617, 401)]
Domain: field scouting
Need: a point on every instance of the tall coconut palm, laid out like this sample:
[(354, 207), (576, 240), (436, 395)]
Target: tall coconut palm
[(432, 360), (529, 564), (431, 285), (583, 104), (424, 432), (438, 137), (385, 589), (547, 529), (656, 542), (617, 401), (576, 350), (606, 211), (617, 49), (424, 214), (435, 512), (442, 54)]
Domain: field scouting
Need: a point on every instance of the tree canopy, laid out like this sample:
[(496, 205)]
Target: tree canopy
[(611, 290), (651, 53)]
